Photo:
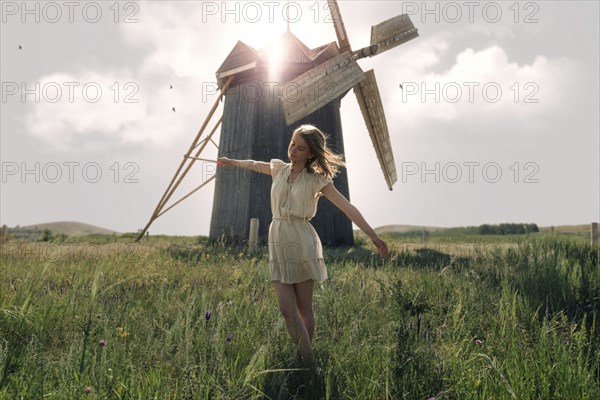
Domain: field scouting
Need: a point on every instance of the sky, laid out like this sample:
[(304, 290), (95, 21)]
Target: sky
[(493, 111)]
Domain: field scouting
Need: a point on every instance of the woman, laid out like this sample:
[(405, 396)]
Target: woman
[(295, 251)]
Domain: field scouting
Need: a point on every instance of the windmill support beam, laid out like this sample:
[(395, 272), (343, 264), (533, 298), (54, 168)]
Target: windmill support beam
[(172, 185), (187, 195)]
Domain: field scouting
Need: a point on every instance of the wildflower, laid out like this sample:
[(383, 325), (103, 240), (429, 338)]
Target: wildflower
[(207, 315), (87, 390), (229, 338), (479, 342), (122, 333), (102, 343)]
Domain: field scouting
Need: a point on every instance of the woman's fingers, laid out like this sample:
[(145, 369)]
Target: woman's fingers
[(383, 250), (381, 247)]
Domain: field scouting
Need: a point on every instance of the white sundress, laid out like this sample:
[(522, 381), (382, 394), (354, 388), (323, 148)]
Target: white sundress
[(295, 250)]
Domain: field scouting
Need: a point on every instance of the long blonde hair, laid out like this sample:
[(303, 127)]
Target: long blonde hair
[(324, 160)]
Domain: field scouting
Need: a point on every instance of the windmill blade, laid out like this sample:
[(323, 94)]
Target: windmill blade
[(319, 86), (392, 33), (340, 30), (369, 100)]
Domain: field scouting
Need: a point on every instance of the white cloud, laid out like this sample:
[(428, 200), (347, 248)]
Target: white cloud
[(115, 104), (480, 85), (134, 105), (177, 37)]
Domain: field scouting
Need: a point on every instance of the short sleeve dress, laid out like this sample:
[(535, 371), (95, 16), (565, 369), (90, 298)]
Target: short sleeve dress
[(295, 250)]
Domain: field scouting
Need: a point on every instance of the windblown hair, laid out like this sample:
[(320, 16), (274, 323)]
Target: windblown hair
[(324, 161)]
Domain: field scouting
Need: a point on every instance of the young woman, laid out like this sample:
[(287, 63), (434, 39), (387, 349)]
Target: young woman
[(295, 251)]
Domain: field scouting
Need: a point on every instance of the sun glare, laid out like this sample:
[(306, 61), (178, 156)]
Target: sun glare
[(275, 54), (262, 36)]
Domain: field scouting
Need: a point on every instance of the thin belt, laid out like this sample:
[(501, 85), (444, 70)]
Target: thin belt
[(290, 218)]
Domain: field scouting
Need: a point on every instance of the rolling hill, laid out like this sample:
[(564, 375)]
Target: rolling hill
[(71, 228)]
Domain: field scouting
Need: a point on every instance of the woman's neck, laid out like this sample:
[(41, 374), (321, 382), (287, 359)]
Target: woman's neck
[(298, 166)]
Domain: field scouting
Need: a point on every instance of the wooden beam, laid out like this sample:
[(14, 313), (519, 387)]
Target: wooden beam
[(172, 185), (319, 86), (338, 23), (188, 195), (371, 107)]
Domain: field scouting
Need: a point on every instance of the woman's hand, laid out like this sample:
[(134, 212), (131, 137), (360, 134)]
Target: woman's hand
[(381, 246), (225, 162)]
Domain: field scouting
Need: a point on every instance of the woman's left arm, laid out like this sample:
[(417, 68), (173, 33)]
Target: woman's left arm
[(355, 216)]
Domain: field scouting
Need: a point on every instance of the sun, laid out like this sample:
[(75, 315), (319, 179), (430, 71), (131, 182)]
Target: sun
[(275, 57), (261, 34), (264, 37)]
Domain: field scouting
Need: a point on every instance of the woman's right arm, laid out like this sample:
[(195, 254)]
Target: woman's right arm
[(256, 166)]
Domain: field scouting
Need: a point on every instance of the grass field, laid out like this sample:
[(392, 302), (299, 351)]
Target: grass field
[(443, 317)]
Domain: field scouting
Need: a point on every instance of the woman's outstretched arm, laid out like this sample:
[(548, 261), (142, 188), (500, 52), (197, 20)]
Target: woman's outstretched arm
[(355, 216), (256, 166)]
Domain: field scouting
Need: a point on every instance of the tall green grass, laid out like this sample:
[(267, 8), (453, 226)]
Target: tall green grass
[(187, 320)]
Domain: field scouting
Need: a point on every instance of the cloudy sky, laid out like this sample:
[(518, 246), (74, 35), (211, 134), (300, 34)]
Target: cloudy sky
[(497, 119)]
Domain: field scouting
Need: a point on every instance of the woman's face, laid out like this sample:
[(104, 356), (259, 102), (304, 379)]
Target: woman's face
[(298, 150)]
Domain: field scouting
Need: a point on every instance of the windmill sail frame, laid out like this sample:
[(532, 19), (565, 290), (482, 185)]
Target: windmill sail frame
[(369, 99), (392, 33), (319, 86)]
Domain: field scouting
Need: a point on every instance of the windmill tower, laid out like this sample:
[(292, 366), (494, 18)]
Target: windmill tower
[(254, 127), (265, 101), (260, 115)]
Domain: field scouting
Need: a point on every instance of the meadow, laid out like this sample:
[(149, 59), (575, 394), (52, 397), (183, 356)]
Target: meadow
[(442, 317)]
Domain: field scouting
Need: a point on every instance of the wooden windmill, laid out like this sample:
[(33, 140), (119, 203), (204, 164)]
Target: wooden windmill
[(260, 114)]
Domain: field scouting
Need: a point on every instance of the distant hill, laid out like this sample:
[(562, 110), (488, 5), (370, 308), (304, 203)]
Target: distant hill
[(407, 228), (567, 229), (70, 228)]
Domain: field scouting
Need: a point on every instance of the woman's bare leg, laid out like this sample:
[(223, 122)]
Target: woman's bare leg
[(304, 296), (286, 296)]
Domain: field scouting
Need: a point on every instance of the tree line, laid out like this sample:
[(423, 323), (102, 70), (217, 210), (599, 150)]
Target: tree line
[(507, 229)]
